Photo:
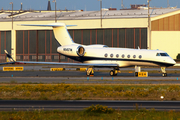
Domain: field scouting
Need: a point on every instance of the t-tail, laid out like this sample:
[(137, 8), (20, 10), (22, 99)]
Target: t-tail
[(60, 32)]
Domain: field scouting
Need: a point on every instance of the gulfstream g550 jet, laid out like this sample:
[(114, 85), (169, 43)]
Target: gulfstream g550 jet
[(102, 56)]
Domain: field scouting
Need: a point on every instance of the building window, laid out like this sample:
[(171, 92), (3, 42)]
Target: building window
[(128, 56), (48, 57), (123, 56), (56, 57), (26, 57), (17, 57), (106, 55), (117, 55), (62, 57), (40, 57), (33, 57)]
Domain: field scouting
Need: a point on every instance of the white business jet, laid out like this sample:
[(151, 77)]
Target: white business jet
[(98, 55)]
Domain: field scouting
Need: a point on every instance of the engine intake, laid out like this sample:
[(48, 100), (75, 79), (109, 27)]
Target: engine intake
[(80, 51)]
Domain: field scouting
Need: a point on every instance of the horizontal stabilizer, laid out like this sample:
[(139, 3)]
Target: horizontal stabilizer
[(48, 25)]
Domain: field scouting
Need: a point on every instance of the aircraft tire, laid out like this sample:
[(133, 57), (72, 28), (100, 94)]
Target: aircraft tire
[(112, 73), (164, 74), (88, 74)]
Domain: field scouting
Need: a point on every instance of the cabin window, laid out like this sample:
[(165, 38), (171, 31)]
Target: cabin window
[(123, 56), (128, 56), (105, 55), (140, 56), (134, 56), (117, 55), (111, 55)]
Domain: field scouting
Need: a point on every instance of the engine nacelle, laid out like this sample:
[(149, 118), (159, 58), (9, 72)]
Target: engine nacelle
[(72, 50), (97, 46), (80, 50)]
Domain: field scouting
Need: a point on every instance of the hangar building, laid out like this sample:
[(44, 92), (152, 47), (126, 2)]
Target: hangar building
[(120, 28)]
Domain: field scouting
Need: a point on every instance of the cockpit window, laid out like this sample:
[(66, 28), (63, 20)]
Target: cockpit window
[(162, 54), (158, 54)]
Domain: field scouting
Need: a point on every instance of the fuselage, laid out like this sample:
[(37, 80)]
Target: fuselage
[(124, 57)]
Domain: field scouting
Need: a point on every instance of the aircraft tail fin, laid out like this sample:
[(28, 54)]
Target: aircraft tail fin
[(10, 59), (60, 32)]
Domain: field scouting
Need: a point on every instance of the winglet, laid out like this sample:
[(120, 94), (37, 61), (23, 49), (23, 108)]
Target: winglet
[(10, 59)]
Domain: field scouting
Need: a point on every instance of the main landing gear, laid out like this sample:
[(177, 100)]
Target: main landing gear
[(90, 72), (164, 74), (137, 69), (114, 72)]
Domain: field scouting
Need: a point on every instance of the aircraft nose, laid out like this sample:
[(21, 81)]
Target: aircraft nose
[(173, 62), (170, 61)]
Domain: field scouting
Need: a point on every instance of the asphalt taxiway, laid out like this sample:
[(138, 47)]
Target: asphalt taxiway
[(45, 76), (80, 77), (9, 105), (71, 74)]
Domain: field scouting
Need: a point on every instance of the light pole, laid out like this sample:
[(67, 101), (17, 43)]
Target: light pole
[(12, 13), (55, 10), (149, 25), (101, 11)]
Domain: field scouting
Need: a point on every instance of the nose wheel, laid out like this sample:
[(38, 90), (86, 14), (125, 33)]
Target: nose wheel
[(164, 74), (163, 69), (113, 73)]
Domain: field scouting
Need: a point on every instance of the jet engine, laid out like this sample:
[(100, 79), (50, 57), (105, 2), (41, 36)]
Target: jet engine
[(80, 51), (72, 50)]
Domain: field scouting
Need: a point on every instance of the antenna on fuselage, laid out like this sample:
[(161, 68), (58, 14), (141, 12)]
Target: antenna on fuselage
[(138, 48)]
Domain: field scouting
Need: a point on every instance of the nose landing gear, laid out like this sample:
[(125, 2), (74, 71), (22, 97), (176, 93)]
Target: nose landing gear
[(164, 74)]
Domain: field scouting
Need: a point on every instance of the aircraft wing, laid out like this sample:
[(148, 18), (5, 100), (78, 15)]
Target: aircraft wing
[(7, 63), (67, 64), (12, 61)]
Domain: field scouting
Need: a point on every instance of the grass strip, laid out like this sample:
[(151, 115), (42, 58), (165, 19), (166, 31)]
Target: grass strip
[(89, 92), (137, 114)]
